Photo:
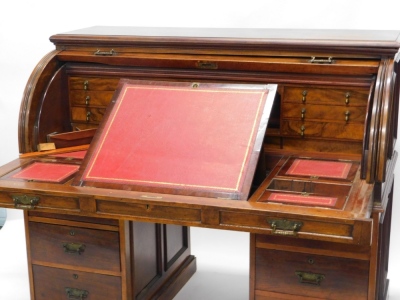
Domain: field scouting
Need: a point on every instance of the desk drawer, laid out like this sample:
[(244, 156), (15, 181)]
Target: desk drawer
[(87, 114), (287, 274), (353, 131), (332, 96), (53, 283), (93, 84), (74, 246), (90, 98), (341, 114)]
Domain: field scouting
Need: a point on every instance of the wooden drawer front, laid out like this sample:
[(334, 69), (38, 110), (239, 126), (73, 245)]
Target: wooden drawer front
[(87, 114), (93, 84), (53, 283), (341, 114), (309, 275), (90, 98), (350, 131), (334, 96), (74, 246)]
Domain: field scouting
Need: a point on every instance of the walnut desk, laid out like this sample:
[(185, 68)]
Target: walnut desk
[(317, 194)]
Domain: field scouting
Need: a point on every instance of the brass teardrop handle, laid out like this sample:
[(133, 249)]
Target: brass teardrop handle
[(87, 100), (86, 85), (88, 114), (304, 94), (302, 129), (303, 113), (347, 115), (347, 101)]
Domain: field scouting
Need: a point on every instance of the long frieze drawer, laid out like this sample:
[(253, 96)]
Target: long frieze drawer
[(53, 283), (353, 97), (32, 201), (93, 84), (90, 98), (357, 232), (87, 114), (341, 114), (350, 131), (312, 276), (74, 246)]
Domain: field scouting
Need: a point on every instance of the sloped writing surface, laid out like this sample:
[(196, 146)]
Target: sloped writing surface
[(180, 138)]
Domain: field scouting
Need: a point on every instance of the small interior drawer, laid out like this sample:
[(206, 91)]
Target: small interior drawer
[(74, 246), (93, 83)]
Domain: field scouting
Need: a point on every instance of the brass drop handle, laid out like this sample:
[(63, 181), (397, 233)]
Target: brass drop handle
[(88, 114), (347, 116), (74, 248), (86, 85), (302, 129), (310, 278), (347, 101), (303, 113), (73, 293), (99, 52), (87, 100), (285, 227), (304, 94), (25, 201)]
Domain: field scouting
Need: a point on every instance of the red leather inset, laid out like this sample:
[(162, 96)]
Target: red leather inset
[(52, 172)]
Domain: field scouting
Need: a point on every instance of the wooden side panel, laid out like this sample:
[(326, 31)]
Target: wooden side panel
[(146, 263)]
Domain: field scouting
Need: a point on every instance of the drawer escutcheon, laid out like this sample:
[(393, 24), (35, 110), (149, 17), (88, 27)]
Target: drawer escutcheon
[(285, 227)]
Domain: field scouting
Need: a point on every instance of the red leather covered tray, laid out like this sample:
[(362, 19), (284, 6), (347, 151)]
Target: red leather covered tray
[(181, 138)]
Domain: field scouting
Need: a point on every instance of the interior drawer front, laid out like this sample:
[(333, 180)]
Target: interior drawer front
[(309, 95), (310, 275), (87, 114), (53, 283), (335, 113), (351, 131), (90, 98), (74, 246), (93, 84)]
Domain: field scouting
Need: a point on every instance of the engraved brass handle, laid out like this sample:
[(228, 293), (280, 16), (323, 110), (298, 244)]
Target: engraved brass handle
[(310, 278), (87, 100), (303, 113), (302, 129), (304, 94), (315, 60), (86, 85), (25, 201), (73, 293), (347, 101), (285, 227), (347, 116), (210, 65), (88, 113), (74, 248), (105, 53)]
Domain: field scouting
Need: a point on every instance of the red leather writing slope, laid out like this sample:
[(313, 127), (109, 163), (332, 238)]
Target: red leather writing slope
[(192, 140)]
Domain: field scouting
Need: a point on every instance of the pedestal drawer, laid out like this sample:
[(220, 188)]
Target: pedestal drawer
[(54, 283), (292, 274), (78, 247)]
